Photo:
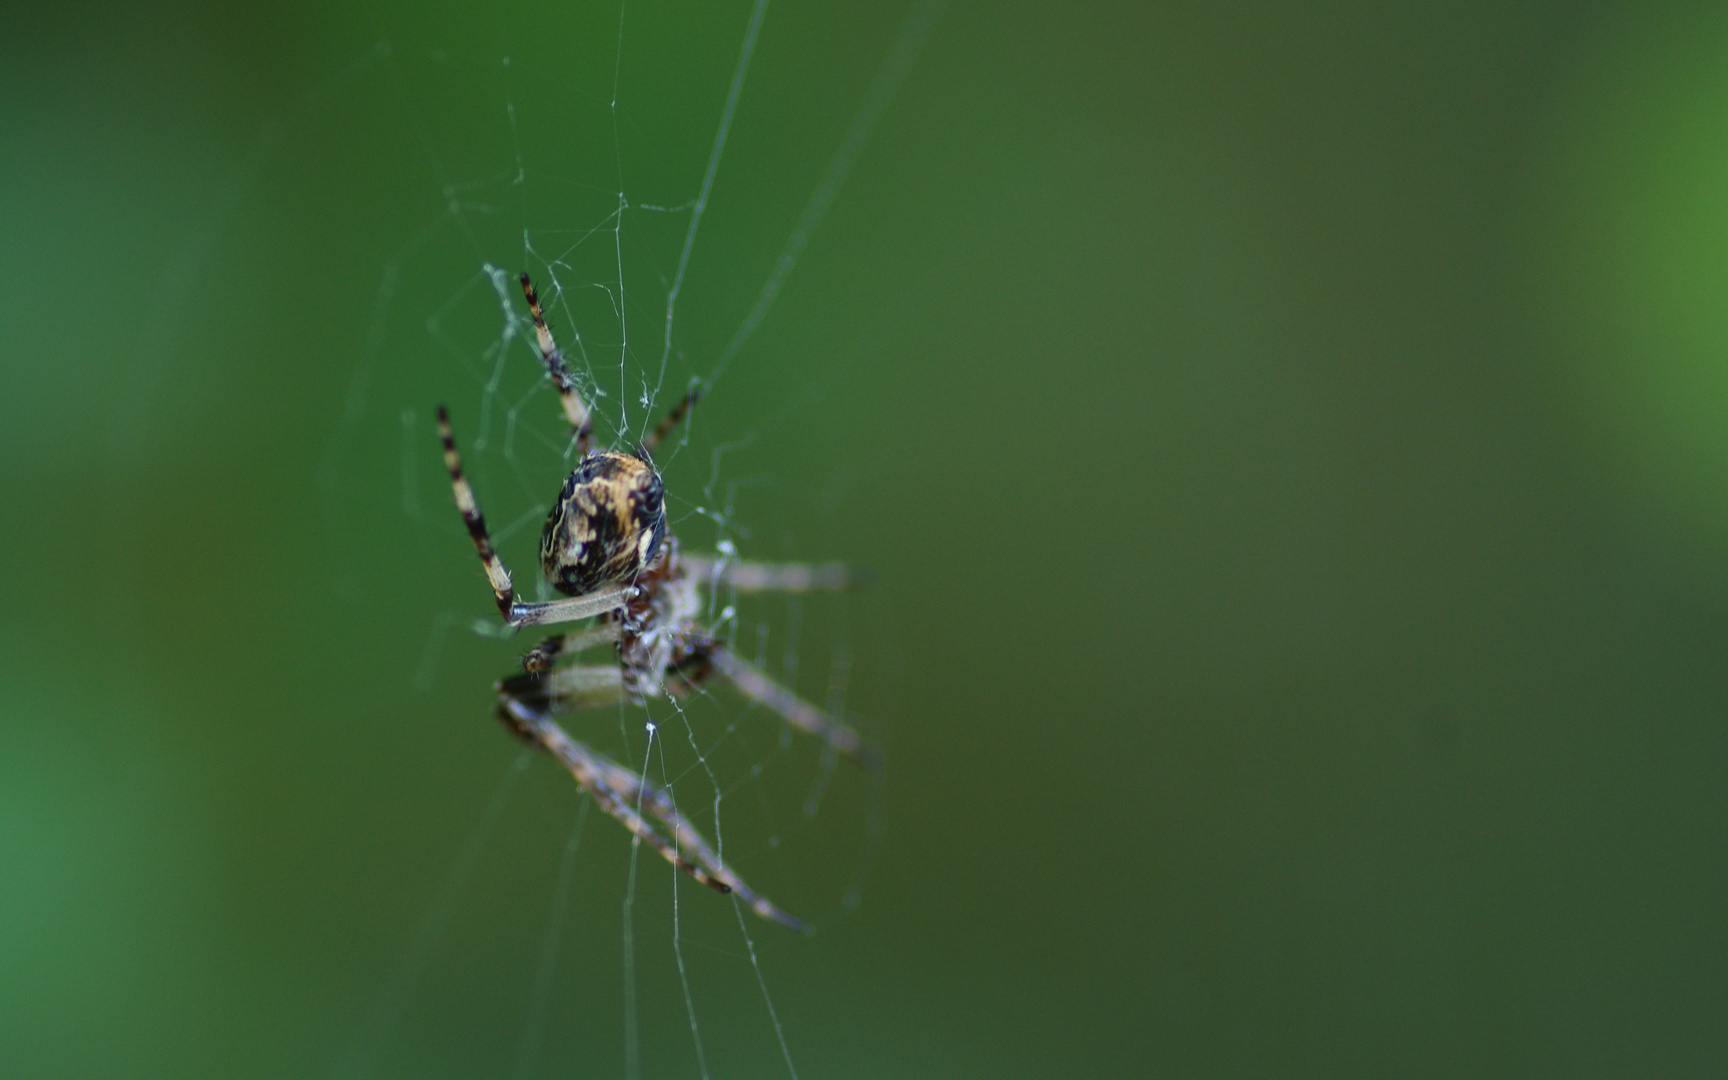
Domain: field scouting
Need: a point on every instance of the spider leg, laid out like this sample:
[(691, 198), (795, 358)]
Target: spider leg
[(624, 794), (749, 577), (571, 609), (502, 589), (664, 428), (515, 613), (571, 688), (575, 410), (758, 687), (542, 656)]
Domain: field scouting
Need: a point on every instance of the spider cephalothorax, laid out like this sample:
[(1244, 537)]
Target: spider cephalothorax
[(607, 525), (607, 548)]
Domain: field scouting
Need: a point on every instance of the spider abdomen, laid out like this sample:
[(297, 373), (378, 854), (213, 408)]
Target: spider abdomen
[(607, 525)]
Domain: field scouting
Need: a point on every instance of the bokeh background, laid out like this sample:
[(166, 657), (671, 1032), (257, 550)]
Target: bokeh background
[(1291, 441)]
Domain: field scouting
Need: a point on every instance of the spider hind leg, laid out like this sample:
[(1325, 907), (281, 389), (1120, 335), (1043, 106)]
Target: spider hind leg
[(633, 800)]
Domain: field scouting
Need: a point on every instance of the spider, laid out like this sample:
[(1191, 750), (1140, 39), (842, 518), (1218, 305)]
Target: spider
[(606, 547)]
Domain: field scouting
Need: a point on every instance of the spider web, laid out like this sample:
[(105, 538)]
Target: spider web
[(576, 160)]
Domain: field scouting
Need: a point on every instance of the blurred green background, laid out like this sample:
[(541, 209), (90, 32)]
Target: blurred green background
[(1289, 440)]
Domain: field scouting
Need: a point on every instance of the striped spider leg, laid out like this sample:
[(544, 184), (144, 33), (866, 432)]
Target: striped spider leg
[(607, 549)]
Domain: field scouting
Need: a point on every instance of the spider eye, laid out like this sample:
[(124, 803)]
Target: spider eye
[(607, 525)]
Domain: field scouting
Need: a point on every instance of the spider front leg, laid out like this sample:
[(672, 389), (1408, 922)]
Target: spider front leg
[(653, 439), (502, 587), (575, 409), (516, 613)]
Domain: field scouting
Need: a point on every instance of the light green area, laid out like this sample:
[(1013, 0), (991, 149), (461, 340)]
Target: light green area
[(1634, 233), (1289, 445)]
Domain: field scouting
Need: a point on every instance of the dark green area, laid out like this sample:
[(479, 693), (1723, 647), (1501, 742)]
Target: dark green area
[(1291, 442)]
